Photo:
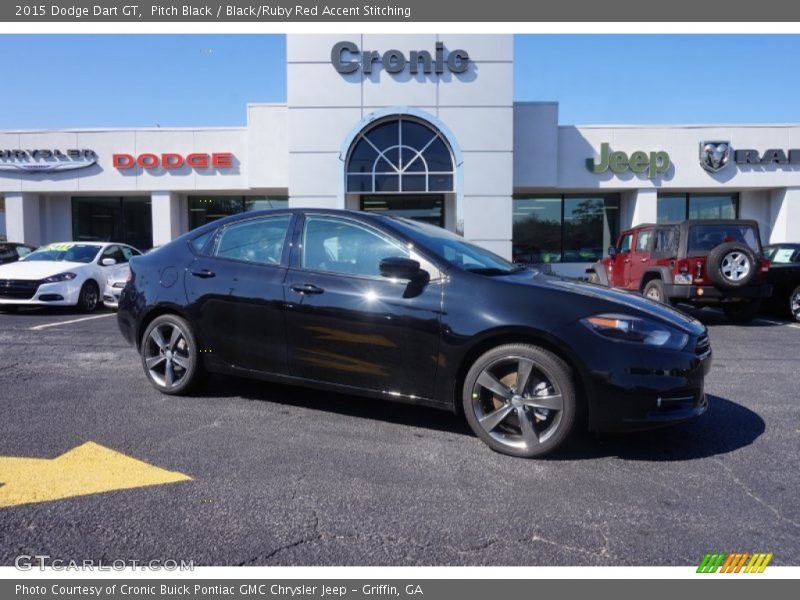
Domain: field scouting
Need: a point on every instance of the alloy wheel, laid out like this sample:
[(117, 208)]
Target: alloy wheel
[(167, 355), (91, 298), (653, 294), (735, 266), (517, 403), (794, 304)]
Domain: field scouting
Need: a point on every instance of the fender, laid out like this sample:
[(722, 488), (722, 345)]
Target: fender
[(600, 269), (664, 273)]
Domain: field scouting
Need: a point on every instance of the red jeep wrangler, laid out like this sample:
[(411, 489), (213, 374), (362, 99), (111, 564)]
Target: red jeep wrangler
[(700, 262)]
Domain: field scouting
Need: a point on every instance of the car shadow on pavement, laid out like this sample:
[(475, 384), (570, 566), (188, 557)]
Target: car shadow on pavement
[(341, 404), (725, 427)]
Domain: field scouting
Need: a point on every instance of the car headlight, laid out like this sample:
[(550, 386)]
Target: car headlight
[(60, 277), (634, 329)]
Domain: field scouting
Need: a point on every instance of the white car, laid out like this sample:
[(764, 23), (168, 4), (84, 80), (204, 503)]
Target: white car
[(63, 274), (116, 280)]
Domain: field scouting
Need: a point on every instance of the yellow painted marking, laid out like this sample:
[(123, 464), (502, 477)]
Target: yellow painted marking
[(765, 563), (87, 469)]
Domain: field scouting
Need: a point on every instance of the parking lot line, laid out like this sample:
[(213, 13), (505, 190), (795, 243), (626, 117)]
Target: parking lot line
[(57, 323)]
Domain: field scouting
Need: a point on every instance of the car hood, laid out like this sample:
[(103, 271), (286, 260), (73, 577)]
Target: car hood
[(612, 300), (37, 269)]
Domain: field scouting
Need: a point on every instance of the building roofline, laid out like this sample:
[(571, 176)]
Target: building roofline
[(685, 126), (122, 129)]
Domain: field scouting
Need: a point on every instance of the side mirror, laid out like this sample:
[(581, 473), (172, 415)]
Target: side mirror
[(612, 251), (107, 262), (398, 267)]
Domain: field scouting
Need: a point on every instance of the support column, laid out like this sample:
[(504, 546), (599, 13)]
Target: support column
[(785, 215), (638, 206), (165, 209), (22, 218)]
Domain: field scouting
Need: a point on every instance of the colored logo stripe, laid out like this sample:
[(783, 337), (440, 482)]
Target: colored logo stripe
[(733, 563)]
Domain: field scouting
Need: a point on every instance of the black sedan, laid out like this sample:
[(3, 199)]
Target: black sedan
[(784, 275), (387, 307), (12, 252)]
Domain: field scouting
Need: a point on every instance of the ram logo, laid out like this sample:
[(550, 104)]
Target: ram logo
[(715, 155)]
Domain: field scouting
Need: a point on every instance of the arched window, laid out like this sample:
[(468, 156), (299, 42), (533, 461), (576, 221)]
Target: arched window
[(400, 155)]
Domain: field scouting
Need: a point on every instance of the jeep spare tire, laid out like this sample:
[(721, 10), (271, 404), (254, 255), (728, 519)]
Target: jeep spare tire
[(732, 265)]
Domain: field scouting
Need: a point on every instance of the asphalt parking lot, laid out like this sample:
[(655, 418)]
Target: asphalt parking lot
[(280, 475)]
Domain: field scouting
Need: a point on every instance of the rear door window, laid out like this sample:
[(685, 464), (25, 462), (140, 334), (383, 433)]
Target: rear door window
[(704, 238)]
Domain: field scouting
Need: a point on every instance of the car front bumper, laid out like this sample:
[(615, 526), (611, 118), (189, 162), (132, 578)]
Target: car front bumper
[(62, 293), (630, 386), (111, 296), (711, 294)]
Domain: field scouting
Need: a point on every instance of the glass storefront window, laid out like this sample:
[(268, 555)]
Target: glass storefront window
[(428, 208), (205, 209), (678, 207), (591, 225), (125, 219), (560, 228), (537, 230)]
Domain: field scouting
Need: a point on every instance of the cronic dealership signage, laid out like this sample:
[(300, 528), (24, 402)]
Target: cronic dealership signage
[(639, 162), (347, 57), (715, 155), (173, 160), (46, 160)]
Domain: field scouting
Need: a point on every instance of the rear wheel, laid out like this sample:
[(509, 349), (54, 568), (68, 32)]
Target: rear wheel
[(89, 297), (169, 355), (742, 312), (520, 400), (794, 303), (654, 289)]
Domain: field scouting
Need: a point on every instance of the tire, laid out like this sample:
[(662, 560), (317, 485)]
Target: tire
[(742, 312), (8, 308), (731, 266), (169, 355), (89, 298), (654, 289), (794, 303), (533, 423)]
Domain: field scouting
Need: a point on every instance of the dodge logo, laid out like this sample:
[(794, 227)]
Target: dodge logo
[(714, 155)]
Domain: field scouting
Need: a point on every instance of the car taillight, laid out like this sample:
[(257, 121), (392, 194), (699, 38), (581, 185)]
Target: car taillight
[(682, 276), (764, 265), (130, 277)]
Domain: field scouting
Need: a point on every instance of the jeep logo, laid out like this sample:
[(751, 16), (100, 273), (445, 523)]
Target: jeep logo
[(653, 163)]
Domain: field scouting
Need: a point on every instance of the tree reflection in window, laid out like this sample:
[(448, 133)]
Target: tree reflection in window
[(400, 155)]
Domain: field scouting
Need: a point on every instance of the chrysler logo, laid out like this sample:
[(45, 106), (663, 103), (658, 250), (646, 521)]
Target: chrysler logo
[(46, 160), (714, 155)]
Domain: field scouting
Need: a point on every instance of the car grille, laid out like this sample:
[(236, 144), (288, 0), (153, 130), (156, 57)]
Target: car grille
[(18, 289), (703, 346)]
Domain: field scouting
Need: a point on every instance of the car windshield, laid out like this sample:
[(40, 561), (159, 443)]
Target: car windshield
[(78, 253), (703, 238), (782, 255), (454, 249)]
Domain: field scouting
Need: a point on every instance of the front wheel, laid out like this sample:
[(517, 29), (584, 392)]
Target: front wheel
[(520, 400), (743, 312), (794, 303), (169, 355), (89, 297)]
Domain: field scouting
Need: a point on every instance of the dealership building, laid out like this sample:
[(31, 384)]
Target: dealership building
[(424, 126)]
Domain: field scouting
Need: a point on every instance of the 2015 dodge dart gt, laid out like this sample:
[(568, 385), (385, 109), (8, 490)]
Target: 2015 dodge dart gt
[(387, 307)]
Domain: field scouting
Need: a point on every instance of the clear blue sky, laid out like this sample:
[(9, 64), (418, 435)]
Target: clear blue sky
[(54, 81)]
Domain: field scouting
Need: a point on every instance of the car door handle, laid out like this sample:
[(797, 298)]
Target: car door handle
[(626, 261), (644, 260), (306, 288), (203, 273)]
